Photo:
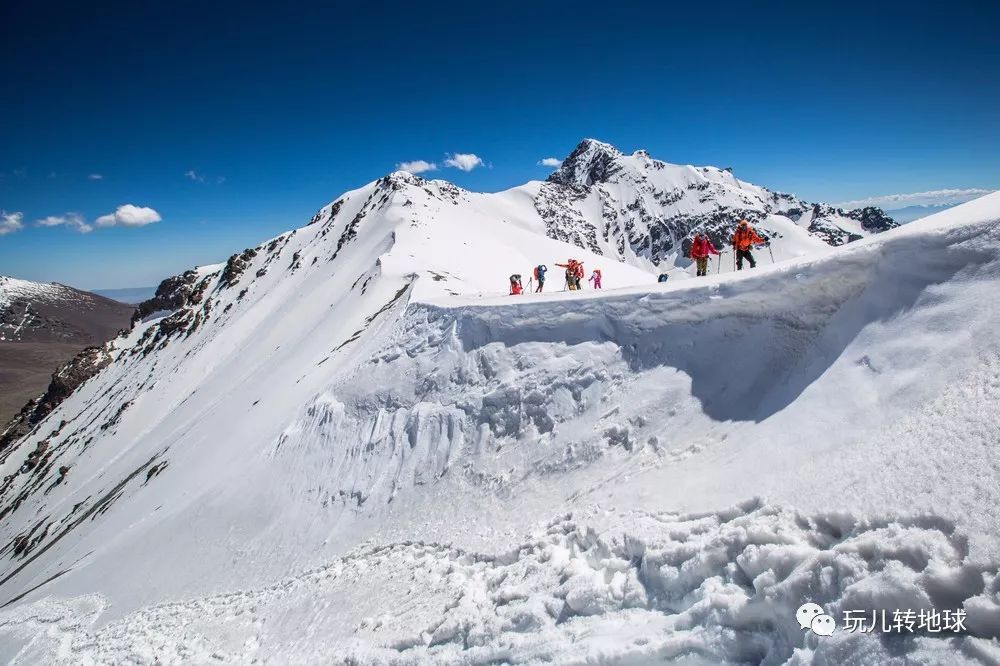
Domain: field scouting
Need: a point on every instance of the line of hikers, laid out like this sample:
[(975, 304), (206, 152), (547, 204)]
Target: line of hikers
[(742, 240), (574, 278)]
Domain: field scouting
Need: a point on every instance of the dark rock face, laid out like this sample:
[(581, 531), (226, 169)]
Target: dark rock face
[(173, 293), (872, 219), (65, 380), (235, 267)]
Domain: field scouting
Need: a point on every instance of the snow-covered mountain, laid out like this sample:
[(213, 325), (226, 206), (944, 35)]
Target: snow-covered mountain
[(645, 211), (37, 312), (347, 445)]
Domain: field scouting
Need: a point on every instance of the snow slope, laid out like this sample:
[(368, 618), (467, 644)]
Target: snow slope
[(344, 446)]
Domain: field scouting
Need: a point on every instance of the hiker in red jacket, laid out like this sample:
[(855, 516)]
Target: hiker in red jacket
[(515, 285), (701, 249)]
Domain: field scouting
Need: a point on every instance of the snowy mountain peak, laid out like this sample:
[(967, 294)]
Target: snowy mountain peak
[(645, 211), (590, 162)]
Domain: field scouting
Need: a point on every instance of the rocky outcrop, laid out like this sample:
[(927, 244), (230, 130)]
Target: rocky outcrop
[(872, 219), (173, 293), (65, 380), (235, 267)]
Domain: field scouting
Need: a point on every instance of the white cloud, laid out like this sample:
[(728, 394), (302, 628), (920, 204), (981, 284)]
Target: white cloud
[(195, 176), (72, 221), (929, 198), (10, 222), (550, 162), (464, 161), (129, 216), (417, 166), (96, 176)]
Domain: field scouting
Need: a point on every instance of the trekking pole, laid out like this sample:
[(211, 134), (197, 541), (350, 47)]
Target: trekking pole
[(718, 265), (770, 251)]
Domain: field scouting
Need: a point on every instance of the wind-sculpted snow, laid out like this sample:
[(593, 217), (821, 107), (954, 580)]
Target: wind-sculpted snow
[(591, 586)]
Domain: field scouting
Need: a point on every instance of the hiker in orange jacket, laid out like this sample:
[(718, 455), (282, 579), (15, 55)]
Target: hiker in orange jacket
[(701, 249), (574, 273), (744, 239)]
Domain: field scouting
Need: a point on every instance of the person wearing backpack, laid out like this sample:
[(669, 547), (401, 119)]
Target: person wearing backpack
[(540, 271), (743, 239), (515, 285), (574, 272), (701, 249), (595, 277)]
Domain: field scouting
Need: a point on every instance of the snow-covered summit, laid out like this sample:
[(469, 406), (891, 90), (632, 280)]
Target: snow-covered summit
[(590, 162)]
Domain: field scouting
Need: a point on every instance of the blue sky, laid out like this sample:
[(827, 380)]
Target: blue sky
[(235, 122)]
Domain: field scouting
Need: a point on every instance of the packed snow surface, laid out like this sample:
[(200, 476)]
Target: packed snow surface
[(350, 447)]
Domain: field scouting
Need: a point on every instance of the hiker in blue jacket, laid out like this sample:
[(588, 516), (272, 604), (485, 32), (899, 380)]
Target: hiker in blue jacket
[(540, 276)]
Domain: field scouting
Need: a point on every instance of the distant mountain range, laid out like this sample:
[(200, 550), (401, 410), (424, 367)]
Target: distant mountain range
[(911, 213)]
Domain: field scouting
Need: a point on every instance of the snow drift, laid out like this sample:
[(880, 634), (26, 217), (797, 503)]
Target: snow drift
[(339, 447)]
